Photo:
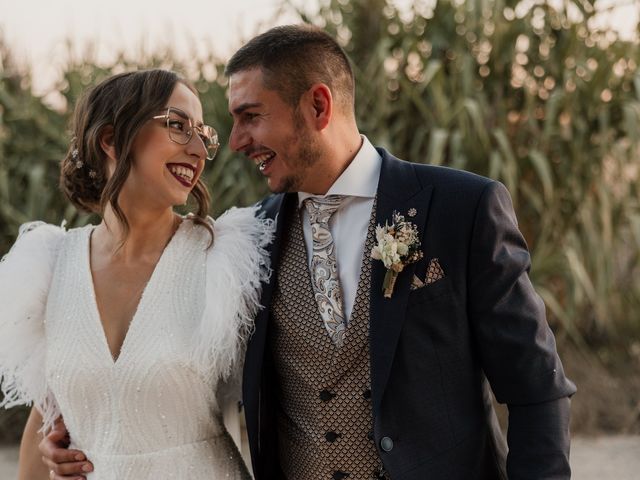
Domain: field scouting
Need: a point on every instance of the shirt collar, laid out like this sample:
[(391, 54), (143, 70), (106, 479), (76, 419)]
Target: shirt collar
[(360, 178)]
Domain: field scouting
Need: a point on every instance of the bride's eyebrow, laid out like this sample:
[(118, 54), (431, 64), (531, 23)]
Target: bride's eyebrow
[(180, 112), (183, 114)]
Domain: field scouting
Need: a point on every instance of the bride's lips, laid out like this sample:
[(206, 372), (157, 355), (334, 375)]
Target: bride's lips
[(184, 173)]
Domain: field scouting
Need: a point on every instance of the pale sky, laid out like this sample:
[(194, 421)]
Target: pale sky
[(37, 30)]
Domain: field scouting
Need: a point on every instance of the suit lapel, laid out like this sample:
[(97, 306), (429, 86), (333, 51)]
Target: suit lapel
[(398, 190), (273, 207)]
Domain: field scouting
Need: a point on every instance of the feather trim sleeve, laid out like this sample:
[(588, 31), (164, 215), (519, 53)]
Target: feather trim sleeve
[(237, 265), (25, 277)]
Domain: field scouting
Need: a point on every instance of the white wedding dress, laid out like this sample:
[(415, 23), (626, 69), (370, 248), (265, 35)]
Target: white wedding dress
[(155, 411)]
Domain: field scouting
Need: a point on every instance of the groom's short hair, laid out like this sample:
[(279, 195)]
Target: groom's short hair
[(294, 57)]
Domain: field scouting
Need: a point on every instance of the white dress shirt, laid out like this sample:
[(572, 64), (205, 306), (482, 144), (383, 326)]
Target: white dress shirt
[(348, 226)]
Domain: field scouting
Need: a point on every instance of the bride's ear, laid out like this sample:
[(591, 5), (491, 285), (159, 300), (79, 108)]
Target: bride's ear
[(107, 143)]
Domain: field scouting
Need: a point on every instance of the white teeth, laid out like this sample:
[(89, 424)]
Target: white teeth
[(183, 172), (263, 157), (261, 160)]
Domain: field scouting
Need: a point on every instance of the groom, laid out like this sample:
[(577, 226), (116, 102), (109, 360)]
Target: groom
[(341, 381)]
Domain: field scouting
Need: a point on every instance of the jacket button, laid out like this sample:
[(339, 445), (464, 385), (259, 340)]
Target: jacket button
[(339, 475), (326, 395), (366, 394), (386, 444), (331, 436)]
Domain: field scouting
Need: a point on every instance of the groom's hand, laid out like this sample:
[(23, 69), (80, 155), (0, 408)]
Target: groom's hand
[(62, 462)]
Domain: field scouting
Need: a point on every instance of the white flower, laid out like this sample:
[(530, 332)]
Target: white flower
[(387, 251)]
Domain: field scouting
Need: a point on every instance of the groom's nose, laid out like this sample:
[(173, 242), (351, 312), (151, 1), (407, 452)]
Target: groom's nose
[(239, 139)]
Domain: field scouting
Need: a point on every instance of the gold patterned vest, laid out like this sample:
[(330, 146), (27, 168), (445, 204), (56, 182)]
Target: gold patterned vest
[(325, 420)]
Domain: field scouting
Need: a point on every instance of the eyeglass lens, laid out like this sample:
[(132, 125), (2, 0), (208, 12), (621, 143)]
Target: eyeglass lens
[(181, 130)]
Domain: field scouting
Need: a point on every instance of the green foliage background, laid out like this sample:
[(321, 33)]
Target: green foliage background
[(547, 105)]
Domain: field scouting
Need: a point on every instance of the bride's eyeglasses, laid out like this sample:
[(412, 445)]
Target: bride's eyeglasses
[(181, 128)]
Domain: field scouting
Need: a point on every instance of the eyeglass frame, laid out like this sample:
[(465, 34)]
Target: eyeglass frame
[(192, 126)]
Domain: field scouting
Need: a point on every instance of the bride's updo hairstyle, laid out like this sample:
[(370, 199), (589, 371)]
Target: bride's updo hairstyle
[(124, 102)]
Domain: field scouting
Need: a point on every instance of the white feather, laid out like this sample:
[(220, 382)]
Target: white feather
[(237, 265), (25, 277)]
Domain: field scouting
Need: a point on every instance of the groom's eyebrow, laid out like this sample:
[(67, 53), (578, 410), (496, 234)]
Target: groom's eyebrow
[(245, 106)]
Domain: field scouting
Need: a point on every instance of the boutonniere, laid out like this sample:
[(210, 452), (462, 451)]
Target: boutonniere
[(398, 246)]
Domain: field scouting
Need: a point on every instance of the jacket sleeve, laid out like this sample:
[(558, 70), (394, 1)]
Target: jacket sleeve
[(515, 344)]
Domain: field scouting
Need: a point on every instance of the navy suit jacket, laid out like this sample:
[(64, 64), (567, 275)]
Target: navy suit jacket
[(434, 348)]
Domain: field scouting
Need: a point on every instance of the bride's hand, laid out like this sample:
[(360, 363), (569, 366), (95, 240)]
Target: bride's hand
[(62, 462)]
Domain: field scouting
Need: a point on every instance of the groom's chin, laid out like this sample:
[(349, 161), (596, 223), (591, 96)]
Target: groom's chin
[(285, 185)]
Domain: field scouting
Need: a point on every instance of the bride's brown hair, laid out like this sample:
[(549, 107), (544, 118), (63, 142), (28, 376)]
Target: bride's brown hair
[(123, 102)]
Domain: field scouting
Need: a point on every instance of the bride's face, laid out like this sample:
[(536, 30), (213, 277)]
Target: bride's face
[(163, 172)]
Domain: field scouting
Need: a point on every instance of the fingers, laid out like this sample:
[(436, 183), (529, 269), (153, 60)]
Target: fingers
[(68, 468), (58, 435), (67, 471), (51, 449), (53, 476), (63, 463)]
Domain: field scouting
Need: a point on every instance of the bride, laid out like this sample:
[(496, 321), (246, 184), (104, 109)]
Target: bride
[(133, 329)]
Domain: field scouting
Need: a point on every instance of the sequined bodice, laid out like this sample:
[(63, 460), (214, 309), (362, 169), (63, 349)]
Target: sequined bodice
[(151, 413)]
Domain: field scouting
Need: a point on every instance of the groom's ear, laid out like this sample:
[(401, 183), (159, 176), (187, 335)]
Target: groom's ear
[(321, 103)]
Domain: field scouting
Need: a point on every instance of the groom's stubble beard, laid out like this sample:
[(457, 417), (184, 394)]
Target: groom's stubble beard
[(306, 158)]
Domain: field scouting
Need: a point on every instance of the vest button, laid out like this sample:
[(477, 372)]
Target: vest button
[(339, 475), (366, 394), (331, 436), (326, 395), (386, 444)]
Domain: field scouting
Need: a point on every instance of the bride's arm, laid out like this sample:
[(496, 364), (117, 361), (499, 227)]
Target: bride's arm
[(30, 466)]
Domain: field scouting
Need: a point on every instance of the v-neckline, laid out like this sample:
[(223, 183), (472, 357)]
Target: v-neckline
[(97, 319)]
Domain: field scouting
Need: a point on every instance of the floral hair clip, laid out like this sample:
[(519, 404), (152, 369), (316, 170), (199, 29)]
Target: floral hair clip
[(76, 158)]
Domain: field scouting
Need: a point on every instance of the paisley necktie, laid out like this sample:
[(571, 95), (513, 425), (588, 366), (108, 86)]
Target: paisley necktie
[(324, 270)]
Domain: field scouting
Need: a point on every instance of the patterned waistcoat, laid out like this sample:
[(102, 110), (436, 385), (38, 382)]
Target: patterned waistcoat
[(325, 423)]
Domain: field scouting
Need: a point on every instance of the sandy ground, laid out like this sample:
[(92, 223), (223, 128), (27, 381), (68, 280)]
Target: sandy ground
[(606, 458), (8, 460), (600, 458)]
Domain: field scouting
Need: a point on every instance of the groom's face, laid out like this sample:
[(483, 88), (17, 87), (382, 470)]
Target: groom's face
[(270, 132)]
